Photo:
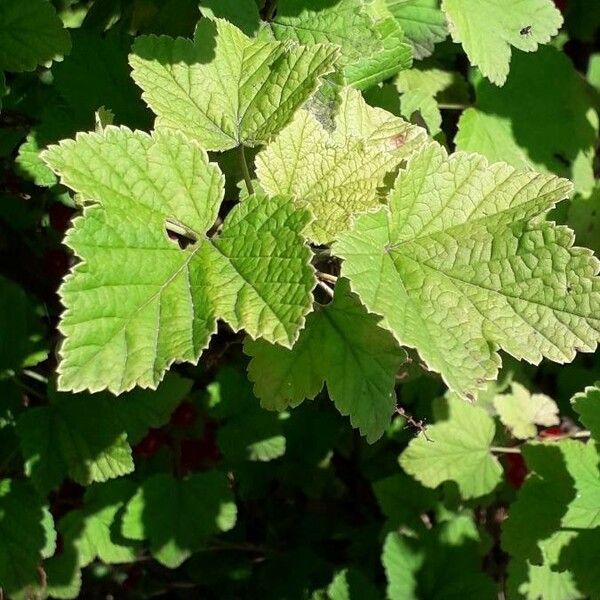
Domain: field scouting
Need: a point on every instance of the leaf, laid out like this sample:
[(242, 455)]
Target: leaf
[(27, 534), (423, 23), (336, 174), (462, 264), (31, 34), (224, 89), (351, 584), (137, 301), (372, 46), (422, 88), (178, 516), (510, 124), (457, 448), (488, 28), (587, 405), (521, 411), (22, 342), (67, 437), (92, 530), (560, 498), (242, 13), (341, 346)]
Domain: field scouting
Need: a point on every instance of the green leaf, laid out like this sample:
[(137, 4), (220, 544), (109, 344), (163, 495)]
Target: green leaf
[(512, 125), (67, 437), (422, 21), (521, 411), (22, 342), (587, 405), (559, 500), (225, 89), (351, 584), (242, 13), (138, 301), (31, 34), (341, 346), (336, 174), (27, 534), (421, 90), (457, 447), (584, 218), (372, 46), (93, 530), (462, 264), (178, 516), (488, 28)]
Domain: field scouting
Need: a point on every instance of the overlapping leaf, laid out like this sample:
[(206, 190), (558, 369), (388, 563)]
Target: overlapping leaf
[(336, 175), (137, 301), (462, 264), (31, 34), (225, 89), (341, 346), (457, 447), (488, 28), (178, 516), (587, 405)]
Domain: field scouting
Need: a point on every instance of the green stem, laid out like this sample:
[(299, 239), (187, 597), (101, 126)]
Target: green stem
[(505, 450), (245, 170)]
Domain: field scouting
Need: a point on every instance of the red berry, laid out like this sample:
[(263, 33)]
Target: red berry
[(60, 216), (150, 444), (515, 469), (198, 454), (184, 415), (551, 432)]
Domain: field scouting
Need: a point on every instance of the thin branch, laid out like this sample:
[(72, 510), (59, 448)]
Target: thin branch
[(325, 287), (416, 423), (35, 375), (498, 449), (451, 106), (327, 277), (270, 8), (245, 170)]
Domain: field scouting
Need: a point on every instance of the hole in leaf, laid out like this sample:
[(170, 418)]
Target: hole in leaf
[(179, 234)]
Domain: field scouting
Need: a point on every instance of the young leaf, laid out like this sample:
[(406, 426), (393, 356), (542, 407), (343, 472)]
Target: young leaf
[(521, 411), (337, 174), (138, 301), (461, 264), (178, 516), (341, 346), (31, 34), (455, 448), (422, 21), (27, 534), (587, 405), (225, 89), (488, 28)]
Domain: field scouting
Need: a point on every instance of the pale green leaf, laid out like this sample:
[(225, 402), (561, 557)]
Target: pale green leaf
[(423, 23), (341, 346), (461, 264), (178, 516), (336, 174), (137, 301), (225, 89), (488, 28), (587, 405), (521, 411), (455, 448), (27, 534), (351, 584), (31, 34), (512, 125)]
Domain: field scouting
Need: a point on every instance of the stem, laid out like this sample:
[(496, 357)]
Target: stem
[(327, 277), (270, 8), (505, 450), (450, 106), (325, 287), (35, 375), (245, 170)]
